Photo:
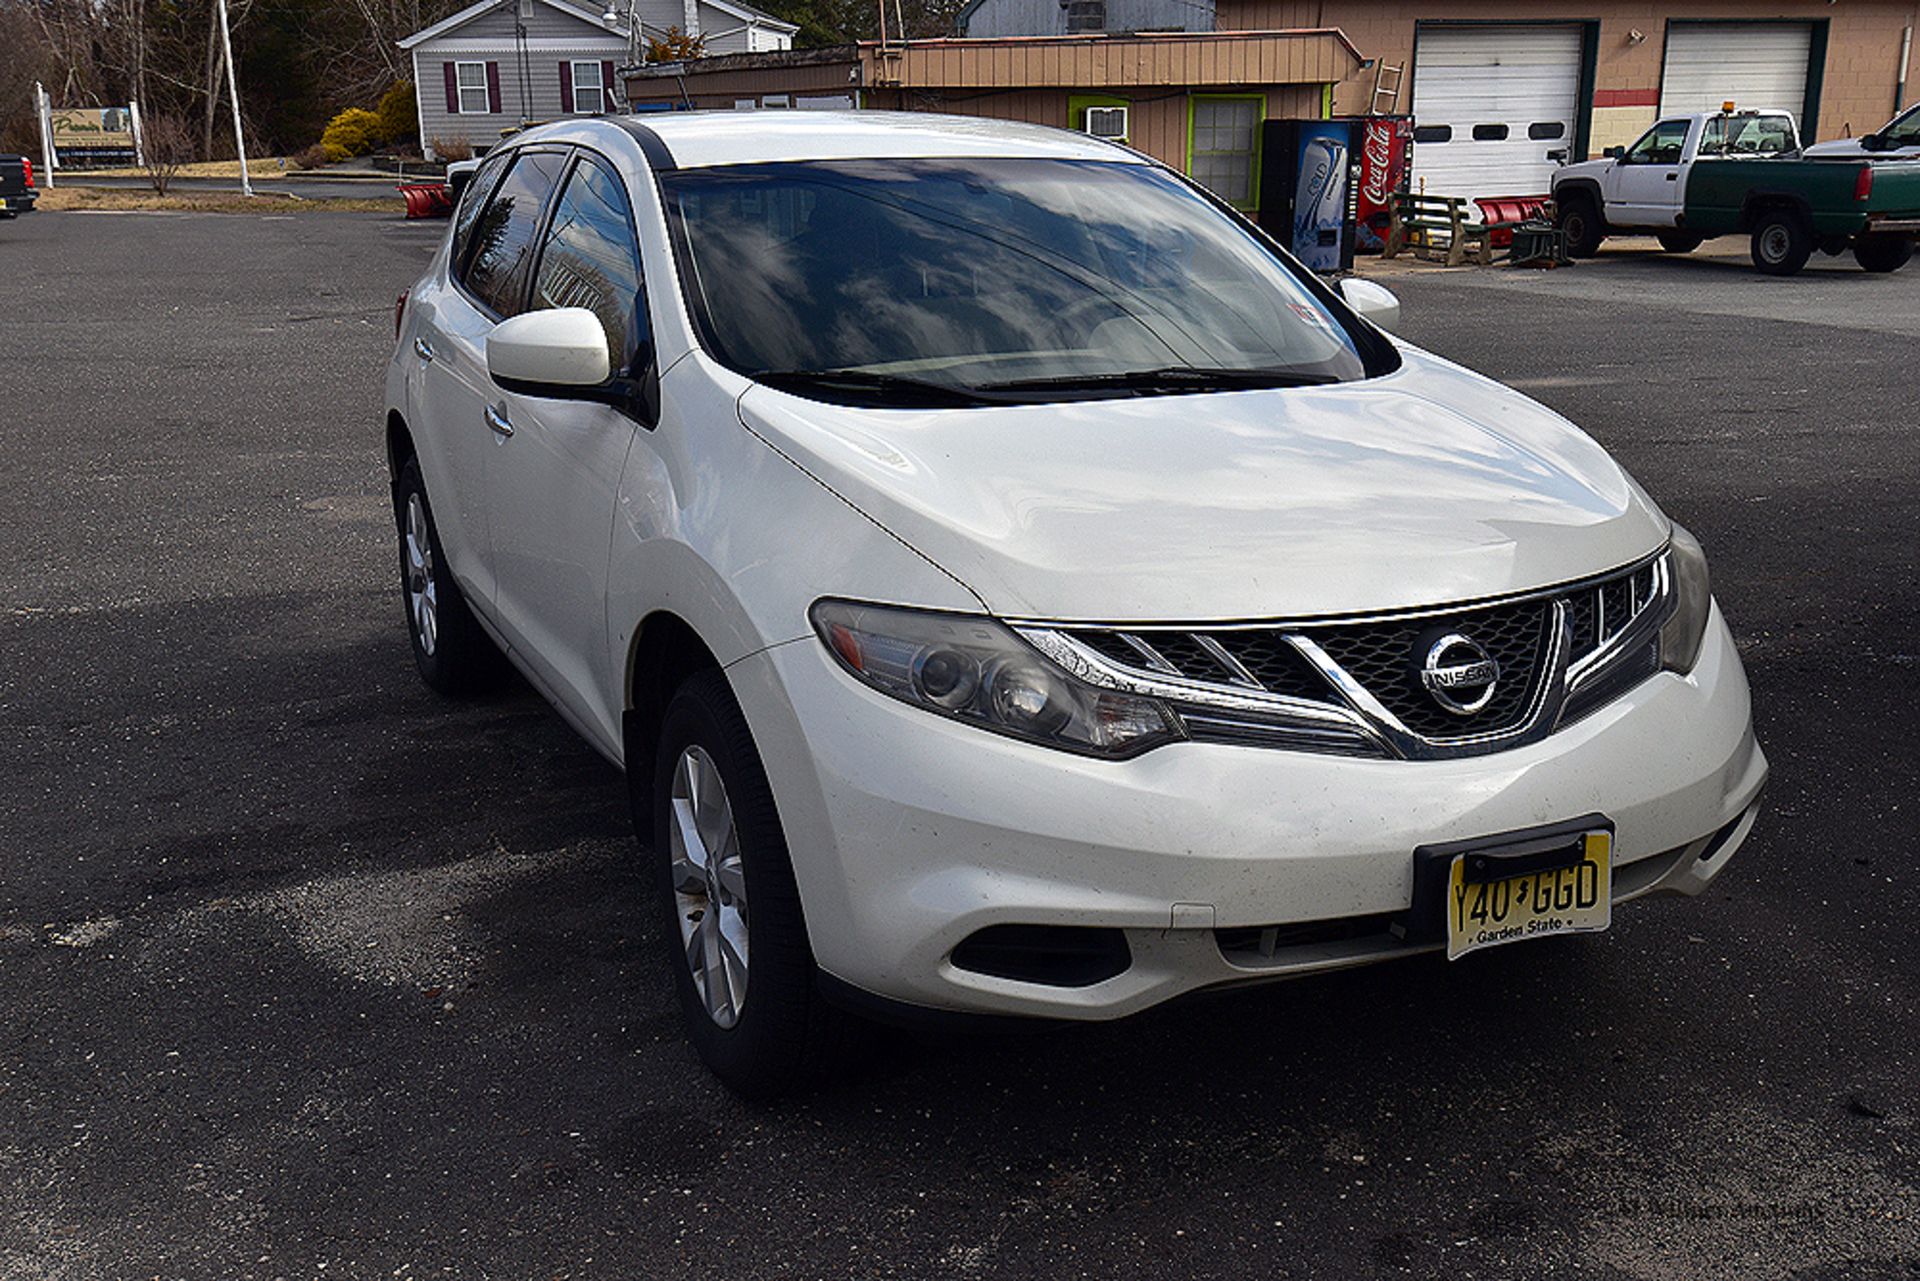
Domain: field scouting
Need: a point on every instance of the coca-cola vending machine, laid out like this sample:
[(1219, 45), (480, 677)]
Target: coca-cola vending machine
[(1385, 146), (1305, 189)]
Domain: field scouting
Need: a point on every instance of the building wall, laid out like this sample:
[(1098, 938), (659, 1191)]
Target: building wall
[(1857, 93), (543, 100), (1049, 17)]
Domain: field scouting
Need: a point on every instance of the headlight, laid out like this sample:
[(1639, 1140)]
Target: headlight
[(1681, 636), (976, 670)]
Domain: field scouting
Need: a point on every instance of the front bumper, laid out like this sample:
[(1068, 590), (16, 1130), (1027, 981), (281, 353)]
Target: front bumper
[(909, 832)]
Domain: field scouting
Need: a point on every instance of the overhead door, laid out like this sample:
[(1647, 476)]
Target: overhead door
[(1754, 64), (1491, 105)]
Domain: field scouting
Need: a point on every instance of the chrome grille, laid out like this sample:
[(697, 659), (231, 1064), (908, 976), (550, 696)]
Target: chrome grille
[(1356, 685)]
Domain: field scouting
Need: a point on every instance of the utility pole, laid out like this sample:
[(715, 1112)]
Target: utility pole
[(43, 107), (233, 94)]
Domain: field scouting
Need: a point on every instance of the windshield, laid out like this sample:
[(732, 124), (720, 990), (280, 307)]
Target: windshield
[(1903, 132), (1756, 135), (994, 279)]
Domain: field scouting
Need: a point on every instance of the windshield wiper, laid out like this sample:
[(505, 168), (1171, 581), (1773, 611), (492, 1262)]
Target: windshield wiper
[(1171, 379), (866, 387)]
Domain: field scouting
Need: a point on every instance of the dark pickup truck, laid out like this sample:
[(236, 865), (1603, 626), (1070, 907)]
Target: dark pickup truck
[(17, 192)]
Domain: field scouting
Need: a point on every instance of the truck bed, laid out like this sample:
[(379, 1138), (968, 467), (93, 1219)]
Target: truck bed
[(1719, 192)]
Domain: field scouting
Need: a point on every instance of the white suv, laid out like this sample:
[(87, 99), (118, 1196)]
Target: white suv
[(1014, 586)]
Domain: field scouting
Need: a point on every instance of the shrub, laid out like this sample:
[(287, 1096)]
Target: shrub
[(398, 119), (308, 157), (676, 46), (354, 132), (167, 144), (451, 148)]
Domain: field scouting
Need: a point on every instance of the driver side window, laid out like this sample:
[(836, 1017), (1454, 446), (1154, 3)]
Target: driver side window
[(1660, 145)]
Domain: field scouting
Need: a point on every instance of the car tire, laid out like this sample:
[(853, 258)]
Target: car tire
[(1582, 225), (1882, 253), (1681, 242), (453, 653), (1782, 242), (718, 846)]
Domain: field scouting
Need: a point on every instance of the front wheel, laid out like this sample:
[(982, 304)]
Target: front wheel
[(1781, 243), (735, 934), (1681, 242), (1581, 223), (1882, 252)]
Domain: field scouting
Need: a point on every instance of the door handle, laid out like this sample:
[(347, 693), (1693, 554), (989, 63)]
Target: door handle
[(423, 349), (497, 420), (1673, 177)]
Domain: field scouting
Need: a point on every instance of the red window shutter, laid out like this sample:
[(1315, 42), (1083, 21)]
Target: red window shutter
[(606, 75), (453, 88), (493, 87), (566, 87)]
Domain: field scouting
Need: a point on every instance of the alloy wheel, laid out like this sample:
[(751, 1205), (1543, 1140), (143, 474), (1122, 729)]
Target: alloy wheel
[(423, 598), (709, 885)]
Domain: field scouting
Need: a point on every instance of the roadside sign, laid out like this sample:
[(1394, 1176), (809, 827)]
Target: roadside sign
[(94, 137)]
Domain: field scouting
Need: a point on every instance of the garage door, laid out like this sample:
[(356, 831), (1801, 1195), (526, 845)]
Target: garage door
[(1490, 104), (1756, 64)]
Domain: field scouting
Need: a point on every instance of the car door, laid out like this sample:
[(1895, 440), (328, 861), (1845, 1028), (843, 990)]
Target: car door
[(453, 457), (556, 479), (486, 282), (1643, 189)]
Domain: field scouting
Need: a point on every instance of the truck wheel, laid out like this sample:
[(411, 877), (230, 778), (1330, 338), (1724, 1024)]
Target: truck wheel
[(1681, 242), (745, 975), (1581, 223), (1781, 243), (1882, 253)]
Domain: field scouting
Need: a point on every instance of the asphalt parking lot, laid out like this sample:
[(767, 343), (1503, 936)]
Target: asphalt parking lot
[(306, 972)]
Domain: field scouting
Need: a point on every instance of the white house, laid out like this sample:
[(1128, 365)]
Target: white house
[(498, 64)]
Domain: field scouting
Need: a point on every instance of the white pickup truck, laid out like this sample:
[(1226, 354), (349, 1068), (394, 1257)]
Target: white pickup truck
[(1642, 189)]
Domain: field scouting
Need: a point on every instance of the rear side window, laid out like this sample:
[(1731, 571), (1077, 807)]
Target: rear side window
[(590, 259), (503, 235), (479, 187)]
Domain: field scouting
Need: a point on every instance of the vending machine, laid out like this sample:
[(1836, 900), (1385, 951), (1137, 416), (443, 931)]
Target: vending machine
[(1306, 188), (1385, 148)]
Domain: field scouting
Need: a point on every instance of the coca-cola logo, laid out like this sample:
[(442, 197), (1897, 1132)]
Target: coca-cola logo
[(1378, 169)]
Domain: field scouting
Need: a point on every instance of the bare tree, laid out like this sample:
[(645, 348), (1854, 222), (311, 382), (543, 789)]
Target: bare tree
[(168, 144)]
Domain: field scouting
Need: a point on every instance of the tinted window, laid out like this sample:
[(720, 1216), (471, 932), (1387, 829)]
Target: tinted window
[(472, 201), (1489, 133), (1433, 133), (503, 234), (1546, 130), (589, 258), (1904, 132), (976, 273)]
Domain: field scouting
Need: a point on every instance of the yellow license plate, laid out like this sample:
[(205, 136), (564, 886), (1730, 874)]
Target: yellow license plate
[(1568, 900)]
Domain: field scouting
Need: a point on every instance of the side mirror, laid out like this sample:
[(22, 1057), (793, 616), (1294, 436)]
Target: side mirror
[(1614, 153), (560, 353), (1872, 142), (1376, 303)]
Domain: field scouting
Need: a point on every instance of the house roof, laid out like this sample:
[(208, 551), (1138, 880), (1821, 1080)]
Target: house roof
[(452, 22)]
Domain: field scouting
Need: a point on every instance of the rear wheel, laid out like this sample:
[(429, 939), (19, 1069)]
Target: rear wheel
[(735, 934), (1580, 221), (453, 654), (1781, 242), (1680, 242), (1882, 253)]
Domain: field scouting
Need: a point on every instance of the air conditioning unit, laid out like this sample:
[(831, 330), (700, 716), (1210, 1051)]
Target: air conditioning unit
[(1107, 122)]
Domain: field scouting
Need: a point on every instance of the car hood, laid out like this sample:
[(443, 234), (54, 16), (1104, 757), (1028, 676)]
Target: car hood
[(1427, 486), (1581, 169)]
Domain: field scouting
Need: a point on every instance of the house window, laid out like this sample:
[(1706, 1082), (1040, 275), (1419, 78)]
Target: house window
[(1086, 15), (1224, 143), (472, 78), (589, 97)]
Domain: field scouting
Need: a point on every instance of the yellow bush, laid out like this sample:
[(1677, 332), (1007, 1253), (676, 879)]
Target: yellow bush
[(398, 121), (354, 132)]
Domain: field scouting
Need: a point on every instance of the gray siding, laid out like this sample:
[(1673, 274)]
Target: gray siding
[(1049, 17), (543, 83)]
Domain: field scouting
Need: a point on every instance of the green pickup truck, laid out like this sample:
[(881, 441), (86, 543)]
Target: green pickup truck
[(1719, 173)]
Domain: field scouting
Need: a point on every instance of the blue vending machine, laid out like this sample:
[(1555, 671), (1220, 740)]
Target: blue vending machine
[(1306, 189)]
